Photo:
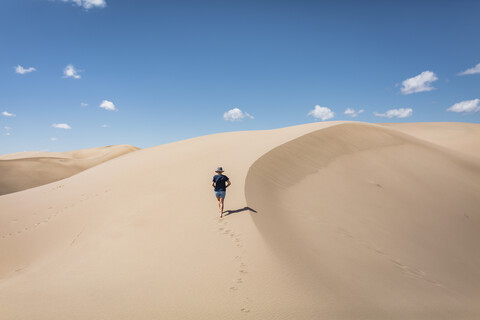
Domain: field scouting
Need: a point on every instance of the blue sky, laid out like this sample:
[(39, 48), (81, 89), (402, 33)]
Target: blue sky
[(170, 70)]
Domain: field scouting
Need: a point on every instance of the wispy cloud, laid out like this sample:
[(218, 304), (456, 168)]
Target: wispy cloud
[(7, 128), (104, 126), (21, 70), (395, 113), (61, 126), (8, 114), (53, 139), (468, 106), (88, 4), (323, 113), (420, 83), (236, 114), (70, 72), (352, 113), (473, 70), (108, 105), (83, 104)]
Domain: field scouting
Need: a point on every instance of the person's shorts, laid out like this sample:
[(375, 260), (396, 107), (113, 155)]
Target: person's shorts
[(220, 194)]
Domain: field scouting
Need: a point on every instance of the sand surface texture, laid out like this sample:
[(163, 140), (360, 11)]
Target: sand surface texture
[(332, 220), (24, 170)]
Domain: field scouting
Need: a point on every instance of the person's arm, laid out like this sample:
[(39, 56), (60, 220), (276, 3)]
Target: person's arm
[(213, 184), (228, 184)]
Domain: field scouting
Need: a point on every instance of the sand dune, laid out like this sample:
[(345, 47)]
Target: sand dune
[(374, 220), (352, 221), (26, 170), (462, 137)]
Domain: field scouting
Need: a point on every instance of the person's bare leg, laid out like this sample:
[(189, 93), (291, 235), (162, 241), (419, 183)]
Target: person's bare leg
[(221, 206)]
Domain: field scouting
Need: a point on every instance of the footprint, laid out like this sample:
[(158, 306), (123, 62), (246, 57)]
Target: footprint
[(239, 280), (245, 310), (233, 288), (243, 271)]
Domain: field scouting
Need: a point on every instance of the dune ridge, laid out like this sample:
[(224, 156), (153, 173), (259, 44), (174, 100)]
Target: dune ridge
[(336, 220), (26, 170)]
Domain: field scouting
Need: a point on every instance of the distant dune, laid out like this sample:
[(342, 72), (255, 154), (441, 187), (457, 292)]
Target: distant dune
[(331, 220), (24, 170)]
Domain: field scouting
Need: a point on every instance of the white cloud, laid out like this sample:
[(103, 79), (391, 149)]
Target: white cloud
[(104, 126), (7, 128), (83, 104), (395, 113), (53, 139), (323, 113), (71, 72), (352, 113), (466, 106), (236, 114), (21, 70), (473, 70), (419, 83), (61, 126), (108, 105), (8, 114), (88, 4), (7, 134)]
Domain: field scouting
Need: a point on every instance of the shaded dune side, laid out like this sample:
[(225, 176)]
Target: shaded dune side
[(374, 223), (28, 170)]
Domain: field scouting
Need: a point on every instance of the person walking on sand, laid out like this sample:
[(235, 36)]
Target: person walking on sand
[(220, 183)]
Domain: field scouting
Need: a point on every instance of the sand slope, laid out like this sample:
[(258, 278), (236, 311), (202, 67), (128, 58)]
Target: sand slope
[(24, 170), (353, 221), (462, 137), (378, 224)]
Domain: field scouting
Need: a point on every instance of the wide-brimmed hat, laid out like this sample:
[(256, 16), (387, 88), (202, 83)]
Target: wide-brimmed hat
[(219, 169)]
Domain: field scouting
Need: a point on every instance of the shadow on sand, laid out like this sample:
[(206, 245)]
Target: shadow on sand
[(229, 212)]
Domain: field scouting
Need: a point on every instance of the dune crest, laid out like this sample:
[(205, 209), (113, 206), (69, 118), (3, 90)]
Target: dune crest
[(26, 170)]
